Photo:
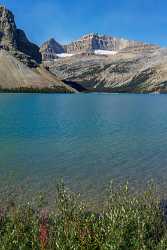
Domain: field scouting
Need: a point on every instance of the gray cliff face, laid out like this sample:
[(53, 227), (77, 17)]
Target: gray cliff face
[(141, 69), (15, 40), (27, 47), (7, 29), (94, 41)]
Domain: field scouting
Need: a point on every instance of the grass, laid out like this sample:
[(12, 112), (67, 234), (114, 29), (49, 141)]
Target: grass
[(127, 221)]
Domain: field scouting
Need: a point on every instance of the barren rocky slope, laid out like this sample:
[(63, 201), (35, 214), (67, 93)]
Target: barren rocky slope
[(14, 75), (140, 69)]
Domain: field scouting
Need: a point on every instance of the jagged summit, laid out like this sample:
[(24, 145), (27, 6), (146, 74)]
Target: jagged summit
[(7, 29), (88, 35), (95, 41)]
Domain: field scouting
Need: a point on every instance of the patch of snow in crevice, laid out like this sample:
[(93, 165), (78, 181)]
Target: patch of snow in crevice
[(62, 55), (105, 52), (96, 52)]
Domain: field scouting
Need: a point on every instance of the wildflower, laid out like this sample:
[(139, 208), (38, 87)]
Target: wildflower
[(43, 236)]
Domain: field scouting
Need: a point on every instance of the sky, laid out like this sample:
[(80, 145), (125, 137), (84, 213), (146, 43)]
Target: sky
[(66, 20)]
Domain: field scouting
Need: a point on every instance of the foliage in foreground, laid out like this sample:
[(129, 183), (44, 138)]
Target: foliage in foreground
[(128, 222)]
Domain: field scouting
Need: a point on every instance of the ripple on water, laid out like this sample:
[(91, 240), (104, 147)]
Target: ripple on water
[(85, 139)]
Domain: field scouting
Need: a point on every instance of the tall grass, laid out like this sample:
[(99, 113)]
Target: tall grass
[(127, 221)]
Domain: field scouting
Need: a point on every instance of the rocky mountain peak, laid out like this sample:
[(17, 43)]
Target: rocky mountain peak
[(15, 40), (50, 49), (52, 40), (7, 29), (95, 41), (89, 36)]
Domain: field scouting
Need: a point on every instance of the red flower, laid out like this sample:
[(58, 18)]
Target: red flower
[(43, 236)]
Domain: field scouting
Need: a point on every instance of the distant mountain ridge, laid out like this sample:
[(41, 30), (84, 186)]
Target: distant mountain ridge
[(88, 44), (135, 67), (94, 41)]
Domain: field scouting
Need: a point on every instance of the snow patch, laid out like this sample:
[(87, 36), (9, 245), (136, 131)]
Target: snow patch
[(105, 52), (96, 52), (62, 55)]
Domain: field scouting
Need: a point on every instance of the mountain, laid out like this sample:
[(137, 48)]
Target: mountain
[(50, 48), (141, 70), (92, 63), (20, 60), (104, 63)]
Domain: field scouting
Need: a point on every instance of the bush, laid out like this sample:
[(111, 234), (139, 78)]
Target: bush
[(128, 222)]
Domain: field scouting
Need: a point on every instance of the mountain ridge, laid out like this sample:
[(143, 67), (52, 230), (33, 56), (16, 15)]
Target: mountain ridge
[(88, 44)]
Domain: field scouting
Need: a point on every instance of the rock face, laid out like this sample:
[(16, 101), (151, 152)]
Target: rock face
[(27, 47), (94, 41), (50, 48), (7, 29), (15, 40), (138, 69)]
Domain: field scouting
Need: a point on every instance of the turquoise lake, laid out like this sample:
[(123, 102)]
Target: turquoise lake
[(85, 139)]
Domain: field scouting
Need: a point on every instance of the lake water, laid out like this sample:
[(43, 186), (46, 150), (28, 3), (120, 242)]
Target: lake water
[(86, 139)]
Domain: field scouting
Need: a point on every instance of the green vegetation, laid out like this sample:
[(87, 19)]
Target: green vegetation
[(127, 221), (45, 90)]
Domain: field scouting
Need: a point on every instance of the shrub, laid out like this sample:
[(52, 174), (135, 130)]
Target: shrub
[(128, 222)]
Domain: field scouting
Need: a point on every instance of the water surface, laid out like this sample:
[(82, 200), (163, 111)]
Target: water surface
[(86, 139)]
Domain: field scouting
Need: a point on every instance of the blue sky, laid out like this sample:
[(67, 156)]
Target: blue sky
[(65, 20)]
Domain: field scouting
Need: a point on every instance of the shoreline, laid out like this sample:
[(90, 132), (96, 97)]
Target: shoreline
[(61, 91)]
